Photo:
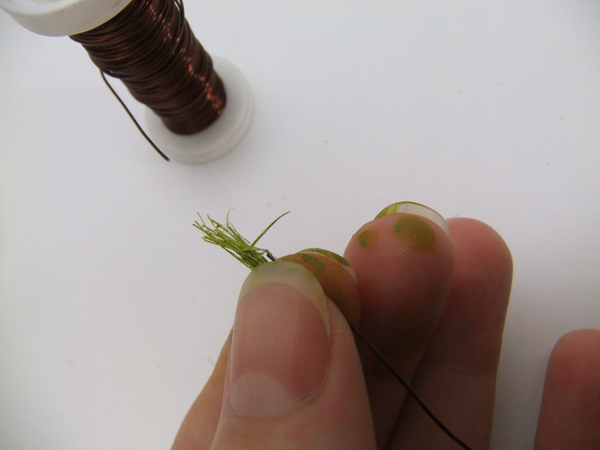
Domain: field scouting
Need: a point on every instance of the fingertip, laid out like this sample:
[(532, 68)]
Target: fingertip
[(477, 238), (411, 231), (578, 343), (571, 400), (574, 364), (404, 265)]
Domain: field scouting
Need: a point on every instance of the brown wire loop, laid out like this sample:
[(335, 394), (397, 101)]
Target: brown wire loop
[(149, 46)]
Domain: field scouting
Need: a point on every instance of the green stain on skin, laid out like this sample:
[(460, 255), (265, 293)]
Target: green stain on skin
[(314, 262), (418, 230), (334, 256), (338, 299), (367, 237)]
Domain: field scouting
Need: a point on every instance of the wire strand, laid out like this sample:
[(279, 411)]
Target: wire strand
[(152, 144), (408, 388)]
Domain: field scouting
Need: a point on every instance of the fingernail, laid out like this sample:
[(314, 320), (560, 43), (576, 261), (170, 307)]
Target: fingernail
[(418, 210), (280, 349)]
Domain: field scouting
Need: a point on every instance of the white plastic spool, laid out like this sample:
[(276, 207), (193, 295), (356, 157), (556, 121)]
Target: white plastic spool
[(66, 17)]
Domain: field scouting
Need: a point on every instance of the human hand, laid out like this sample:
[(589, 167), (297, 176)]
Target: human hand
[(292, 377)]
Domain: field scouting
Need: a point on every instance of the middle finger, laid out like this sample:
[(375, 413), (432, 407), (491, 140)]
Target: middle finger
[(404, 265)]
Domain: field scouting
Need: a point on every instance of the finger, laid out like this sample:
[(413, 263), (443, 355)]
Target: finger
[(200, 423), (338, 281), (335, 275), (293, 379), (457, 375), (404, 265), (570, 411)]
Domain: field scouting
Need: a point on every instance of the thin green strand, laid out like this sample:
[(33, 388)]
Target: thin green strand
[(230, 240)]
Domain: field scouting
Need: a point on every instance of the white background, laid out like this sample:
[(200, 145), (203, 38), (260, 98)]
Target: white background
[(112, 309)]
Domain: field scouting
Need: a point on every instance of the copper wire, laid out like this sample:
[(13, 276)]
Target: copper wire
[(149, 46)]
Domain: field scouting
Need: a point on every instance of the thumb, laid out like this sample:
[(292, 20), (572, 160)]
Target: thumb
[(293, 379)]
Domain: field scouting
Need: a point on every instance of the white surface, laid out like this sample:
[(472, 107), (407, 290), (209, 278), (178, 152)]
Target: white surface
[(112, 310), (62, 17), (222, 135)]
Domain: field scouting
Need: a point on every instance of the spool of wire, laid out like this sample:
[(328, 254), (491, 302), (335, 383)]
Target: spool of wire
[(197, 111)]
